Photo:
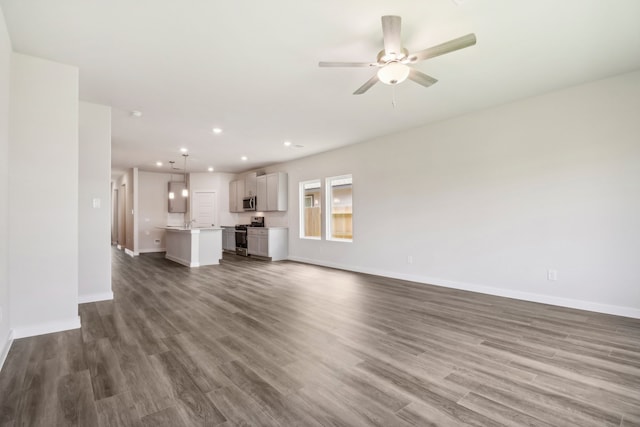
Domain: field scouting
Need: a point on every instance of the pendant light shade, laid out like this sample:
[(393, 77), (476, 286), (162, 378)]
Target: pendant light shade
[(393, 73), (185, 191), (172, 195)]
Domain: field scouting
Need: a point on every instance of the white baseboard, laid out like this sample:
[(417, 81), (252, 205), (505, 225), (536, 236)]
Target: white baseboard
[(152, 250), (103, 296), (500, 292), (130, 252), (184, 262), (6, 347), (46, 328)]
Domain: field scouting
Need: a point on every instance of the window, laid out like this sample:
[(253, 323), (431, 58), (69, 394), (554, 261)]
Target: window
[(339, 201), (310, 210)]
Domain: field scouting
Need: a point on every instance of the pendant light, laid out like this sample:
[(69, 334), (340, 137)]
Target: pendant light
[(172, 195), (185, 191)]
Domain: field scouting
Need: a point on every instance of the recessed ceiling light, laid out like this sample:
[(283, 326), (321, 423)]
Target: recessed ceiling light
[(210, 168), (158, 164), (244, 158), (136, 114), (287, 143), (184, 150), (217, 131)]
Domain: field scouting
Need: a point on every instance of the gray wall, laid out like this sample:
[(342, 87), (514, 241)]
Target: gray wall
[(94, 263), (492, 200), (43, 197), (5, 61)]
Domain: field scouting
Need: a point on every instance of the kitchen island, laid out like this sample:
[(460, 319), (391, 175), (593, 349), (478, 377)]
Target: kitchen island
[(194, 247)]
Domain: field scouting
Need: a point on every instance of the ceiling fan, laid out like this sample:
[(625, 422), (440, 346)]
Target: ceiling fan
[(394, 61)]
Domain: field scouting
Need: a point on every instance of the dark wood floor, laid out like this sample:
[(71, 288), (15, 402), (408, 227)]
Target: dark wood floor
[(251, 343)]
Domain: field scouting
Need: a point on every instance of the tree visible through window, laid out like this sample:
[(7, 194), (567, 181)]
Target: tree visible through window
[(339, 200), (310, 209)]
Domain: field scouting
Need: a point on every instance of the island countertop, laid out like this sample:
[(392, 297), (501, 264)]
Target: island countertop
[(188, 229)]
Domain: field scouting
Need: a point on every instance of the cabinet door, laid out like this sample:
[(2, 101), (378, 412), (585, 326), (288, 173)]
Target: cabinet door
[(261, 193), (250, 185), (253, 244), (263, 245), (272, 192), (239, 195), (233, 197), (229, 239)]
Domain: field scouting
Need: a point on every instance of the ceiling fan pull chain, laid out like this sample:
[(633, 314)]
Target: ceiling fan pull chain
[(393, 96)]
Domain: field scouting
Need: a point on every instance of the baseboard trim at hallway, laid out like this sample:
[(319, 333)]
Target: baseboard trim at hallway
[(130, 252), (47, 328), (482, 289), (103, 296), (5, 348)]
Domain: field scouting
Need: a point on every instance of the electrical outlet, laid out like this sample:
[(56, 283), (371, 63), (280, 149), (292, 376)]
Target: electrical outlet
[(410, 259), (552, 275)]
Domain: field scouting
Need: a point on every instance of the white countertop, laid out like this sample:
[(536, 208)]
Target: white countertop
[(189, 229)]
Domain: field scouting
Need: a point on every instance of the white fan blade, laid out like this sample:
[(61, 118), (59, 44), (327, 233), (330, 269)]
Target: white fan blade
[(365, 87), (421, 78), (446, 47), (391, 33), (347, 64)]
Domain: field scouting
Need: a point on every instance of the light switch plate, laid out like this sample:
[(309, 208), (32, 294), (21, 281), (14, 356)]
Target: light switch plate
[(96, 203)]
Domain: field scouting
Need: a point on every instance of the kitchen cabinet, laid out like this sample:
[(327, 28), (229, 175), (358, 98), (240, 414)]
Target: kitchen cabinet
[(194, 247), (236, 194), (272, 192), (272, 242), (261, 193), (250, 185), (229, 239)]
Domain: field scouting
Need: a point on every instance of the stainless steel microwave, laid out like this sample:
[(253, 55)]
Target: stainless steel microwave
[(249, 203)]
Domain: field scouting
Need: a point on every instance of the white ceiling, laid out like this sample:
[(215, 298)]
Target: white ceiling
[(250, 66)]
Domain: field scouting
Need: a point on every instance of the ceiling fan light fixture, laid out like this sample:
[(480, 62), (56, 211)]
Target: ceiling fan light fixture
[(393, 73)]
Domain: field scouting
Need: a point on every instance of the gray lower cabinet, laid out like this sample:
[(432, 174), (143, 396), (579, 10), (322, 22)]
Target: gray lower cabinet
[(268, 242), (229, 239)]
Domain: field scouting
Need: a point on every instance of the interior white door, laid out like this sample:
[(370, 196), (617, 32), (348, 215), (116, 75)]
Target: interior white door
[(204, 208)]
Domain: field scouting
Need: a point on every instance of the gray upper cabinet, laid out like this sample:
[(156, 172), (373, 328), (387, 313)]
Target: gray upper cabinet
[(177, 204), (236, 194), (250, 185), (272, 192), (261, 193)]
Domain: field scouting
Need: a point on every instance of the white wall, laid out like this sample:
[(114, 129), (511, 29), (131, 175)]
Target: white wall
[(153, 211), (5, 66), (43, 196), (492, 200), (94, 275)]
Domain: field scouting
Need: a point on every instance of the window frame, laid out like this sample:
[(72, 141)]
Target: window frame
[(328, 212), (302, 205)]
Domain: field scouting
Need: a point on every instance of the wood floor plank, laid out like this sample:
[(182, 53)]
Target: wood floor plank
[(118, 411), (249, 343), (185, 390), (107, 378), (239, 408), (76, 401)]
